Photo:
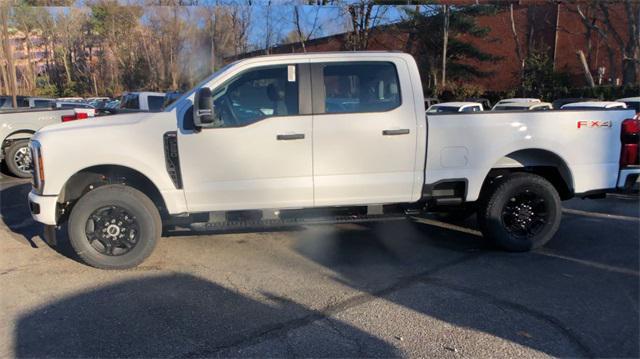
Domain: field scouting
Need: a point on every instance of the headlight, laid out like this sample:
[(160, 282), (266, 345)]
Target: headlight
[(38, 166)]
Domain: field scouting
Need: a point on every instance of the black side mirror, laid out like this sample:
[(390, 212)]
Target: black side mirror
[(203, 115)]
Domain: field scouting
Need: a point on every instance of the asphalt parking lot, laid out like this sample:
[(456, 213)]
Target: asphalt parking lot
[(386, 289)]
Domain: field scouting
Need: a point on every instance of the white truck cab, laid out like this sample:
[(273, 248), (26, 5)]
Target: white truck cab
[(308, 138)]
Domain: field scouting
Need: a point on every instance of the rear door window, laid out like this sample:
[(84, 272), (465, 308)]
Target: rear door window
[(130, 101), (358, 87), (155, 102)]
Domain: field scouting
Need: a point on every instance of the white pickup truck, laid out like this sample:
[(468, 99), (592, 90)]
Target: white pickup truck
[(324, 137), (17, 127)]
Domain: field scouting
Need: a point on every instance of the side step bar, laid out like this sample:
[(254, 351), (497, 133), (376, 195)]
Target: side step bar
[(287, 222)]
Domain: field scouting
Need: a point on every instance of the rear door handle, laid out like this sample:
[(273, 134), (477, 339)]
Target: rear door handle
[(404, 131), (289, 137)]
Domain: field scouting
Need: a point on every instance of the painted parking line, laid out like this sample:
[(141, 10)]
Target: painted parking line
[(610, 268), (600, 215), (541, 252)]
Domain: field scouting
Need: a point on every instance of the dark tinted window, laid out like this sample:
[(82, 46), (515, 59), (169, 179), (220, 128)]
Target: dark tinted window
[(443, 109), (633, 106), (155, 102), (130, 101), (511, 108), (42, 103), (361, 87), (255, 95)]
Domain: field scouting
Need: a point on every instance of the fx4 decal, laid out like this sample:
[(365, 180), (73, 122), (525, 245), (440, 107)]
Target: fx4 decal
[(595, 124)]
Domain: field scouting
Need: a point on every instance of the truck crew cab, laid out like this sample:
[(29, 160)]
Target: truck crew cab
[(307, 138)]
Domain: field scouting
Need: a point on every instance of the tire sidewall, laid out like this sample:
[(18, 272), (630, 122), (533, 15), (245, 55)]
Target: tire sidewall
[(9, 157), (137, 204), (494, 224)]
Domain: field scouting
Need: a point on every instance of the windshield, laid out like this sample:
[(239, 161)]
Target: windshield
[(190, 92), (438, 109)]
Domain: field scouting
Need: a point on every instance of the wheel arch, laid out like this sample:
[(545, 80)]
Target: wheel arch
[(92, 177), (542, 162), (14, 135)]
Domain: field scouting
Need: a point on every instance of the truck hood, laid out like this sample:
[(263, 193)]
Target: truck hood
[(97, 123)]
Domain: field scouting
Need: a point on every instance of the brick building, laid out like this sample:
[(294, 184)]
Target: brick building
[(555, 27)]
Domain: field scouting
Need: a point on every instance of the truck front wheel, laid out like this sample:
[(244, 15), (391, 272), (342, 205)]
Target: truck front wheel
[(520, 213), (114, 227)]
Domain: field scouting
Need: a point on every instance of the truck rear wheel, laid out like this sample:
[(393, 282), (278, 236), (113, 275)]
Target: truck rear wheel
[(114, 227), (18, 158), (521, 212)]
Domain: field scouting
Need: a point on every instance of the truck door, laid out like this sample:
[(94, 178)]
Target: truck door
[(259, 153), (364, 133)]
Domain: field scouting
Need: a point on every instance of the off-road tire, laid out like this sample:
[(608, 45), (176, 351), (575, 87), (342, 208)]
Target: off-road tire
[(140, 207), (9, 157), (496, 205)]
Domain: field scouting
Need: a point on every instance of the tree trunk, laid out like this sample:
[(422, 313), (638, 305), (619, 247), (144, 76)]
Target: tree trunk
[(296, 18), (445, 41), (31, 83), (519, 53), (8, 51), (3, 71)]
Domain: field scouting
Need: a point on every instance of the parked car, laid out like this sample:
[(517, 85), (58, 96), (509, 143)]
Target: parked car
[(563, 101), (144, 101), (16, 128), (515, 100), (256, 145), (455, 107), (97, 99), (522, 106), (486, 104), (70, 99), (631, 102), (26, 102), (80, 107), (591, 105)]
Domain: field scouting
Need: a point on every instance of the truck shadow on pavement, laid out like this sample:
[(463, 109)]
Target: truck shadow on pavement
[(179, 315), (16, 214), (545, 303)]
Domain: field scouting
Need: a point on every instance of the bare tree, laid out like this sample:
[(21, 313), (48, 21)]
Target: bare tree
[(8, 51), (596, 18), (364, 16), (305, 22), (445, 41), (516, 39)]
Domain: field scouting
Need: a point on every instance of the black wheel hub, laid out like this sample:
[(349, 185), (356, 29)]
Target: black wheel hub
[(112, 230), (525, 214)]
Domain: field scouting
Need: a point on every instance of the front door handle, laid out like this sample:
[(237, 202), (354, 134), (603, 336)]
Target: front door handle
[(289, 137), (404, 131)]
